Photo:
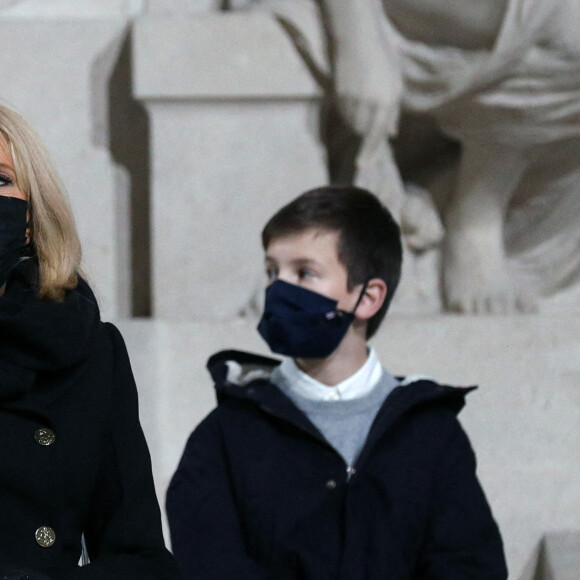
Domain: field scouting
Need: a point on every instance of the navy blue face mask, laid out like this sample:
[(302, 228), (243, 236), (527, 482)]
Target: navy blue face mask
[(12, 233), (301, 323)]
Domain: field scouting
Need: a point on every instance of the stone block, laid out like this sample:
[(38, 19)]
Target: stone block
[(233, 138), (217, 57)]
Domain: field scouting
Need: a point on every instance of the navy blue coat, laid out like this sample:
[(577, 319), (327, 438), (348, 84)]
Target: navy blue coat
[(73, 458), (260, 494)]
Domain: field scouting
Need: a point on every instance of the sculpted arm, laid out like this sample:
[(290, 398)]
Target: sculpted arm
[(367, 73)]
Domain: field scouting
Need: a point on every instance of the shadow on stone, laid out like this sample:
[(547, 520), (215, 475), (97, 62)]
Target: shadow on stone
[(129, 146), (557, 557)]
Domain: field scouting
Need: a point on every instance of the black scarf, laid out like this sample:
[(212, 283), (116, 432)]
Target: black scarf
[(38, 335)]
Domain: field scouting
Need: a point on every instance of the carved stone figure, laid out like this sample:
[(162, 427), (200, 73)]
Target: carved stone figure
[(503, 78)]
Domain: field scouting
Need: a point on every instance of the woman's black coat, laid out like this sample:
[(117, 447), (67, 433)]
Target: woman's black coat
[(73, 456)]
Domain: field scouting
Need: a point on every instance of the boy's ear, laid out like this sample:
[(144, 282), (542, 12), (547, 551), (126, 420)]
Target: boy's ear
[(373, 299)]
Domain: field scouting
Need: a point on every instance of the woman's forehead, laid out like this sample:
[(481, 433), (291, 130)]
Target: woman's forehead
[(4, 143)]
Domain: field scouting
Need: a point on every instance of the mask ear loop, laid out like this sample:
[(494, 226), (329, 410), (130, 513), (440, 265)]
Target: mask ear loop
[(360, 297), (30, 247)]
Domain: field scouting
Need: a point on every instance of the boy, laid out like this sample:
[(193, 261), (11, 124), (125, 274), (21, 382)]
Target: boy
[(325, 466)]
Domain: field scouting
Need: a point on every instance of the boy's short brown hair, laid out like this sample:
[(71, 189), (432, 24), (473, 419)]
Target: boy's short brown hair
[(369, 238)]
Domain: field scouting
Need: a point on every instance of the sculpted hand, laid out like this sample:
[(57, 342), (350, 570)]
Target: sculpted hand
[(368, 90), (367, 79), (368, 99)]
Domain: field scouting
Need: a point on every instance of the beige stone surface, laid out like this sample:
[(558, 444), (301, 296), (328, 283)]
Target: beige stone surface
[(562, 556), (59, 9), (233, 137), (217, 56), (215, 182), (181, 7)]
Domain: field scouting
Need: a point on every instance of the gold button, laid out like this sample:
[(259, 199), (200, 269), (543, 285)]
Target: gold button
[(45, 537), (44, 436)]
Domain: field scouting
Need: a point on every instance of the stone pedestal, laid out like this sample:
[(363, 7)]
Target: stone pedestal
[(233, 115)]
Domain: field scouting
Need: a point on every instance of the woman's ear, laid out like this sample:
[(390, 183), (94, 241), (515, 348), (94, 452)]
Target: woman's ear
[(374, 296)]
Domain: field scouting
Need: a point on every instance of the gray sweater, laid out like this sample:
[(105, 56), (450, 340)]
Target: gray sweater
[(344, 424)]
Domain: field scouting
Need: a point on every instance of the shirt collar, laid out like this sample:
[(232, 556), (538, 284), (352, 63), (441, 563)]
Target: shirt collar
[(357, 385)]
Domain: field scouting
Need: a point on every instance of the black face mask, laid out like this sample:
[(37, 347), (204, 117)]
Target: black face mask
[(301, 323), (12, 233)]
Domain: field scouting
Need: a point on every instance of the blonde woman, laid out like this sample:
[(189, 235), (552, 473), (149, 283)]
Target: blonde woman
[(75, 473)]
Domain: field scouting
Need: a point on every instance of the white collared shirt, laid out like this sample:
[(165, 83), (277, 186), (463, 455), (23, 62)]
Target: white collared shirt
[(356, 386)]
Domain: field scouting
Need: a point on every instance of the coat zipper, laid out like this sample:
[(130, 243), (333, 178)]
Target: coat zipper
[(350, 471)]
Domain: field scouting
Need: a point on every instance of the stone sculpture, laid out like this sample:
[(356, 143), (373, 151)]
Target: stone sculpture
[(503, 78)]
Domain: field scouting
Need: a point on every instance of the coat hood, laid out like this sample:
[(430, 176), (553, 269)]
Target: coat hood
[(245, 376)]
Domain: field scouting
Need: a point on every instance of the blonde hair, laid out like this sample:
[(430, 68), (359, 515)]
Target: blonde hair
[(52, 225)]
